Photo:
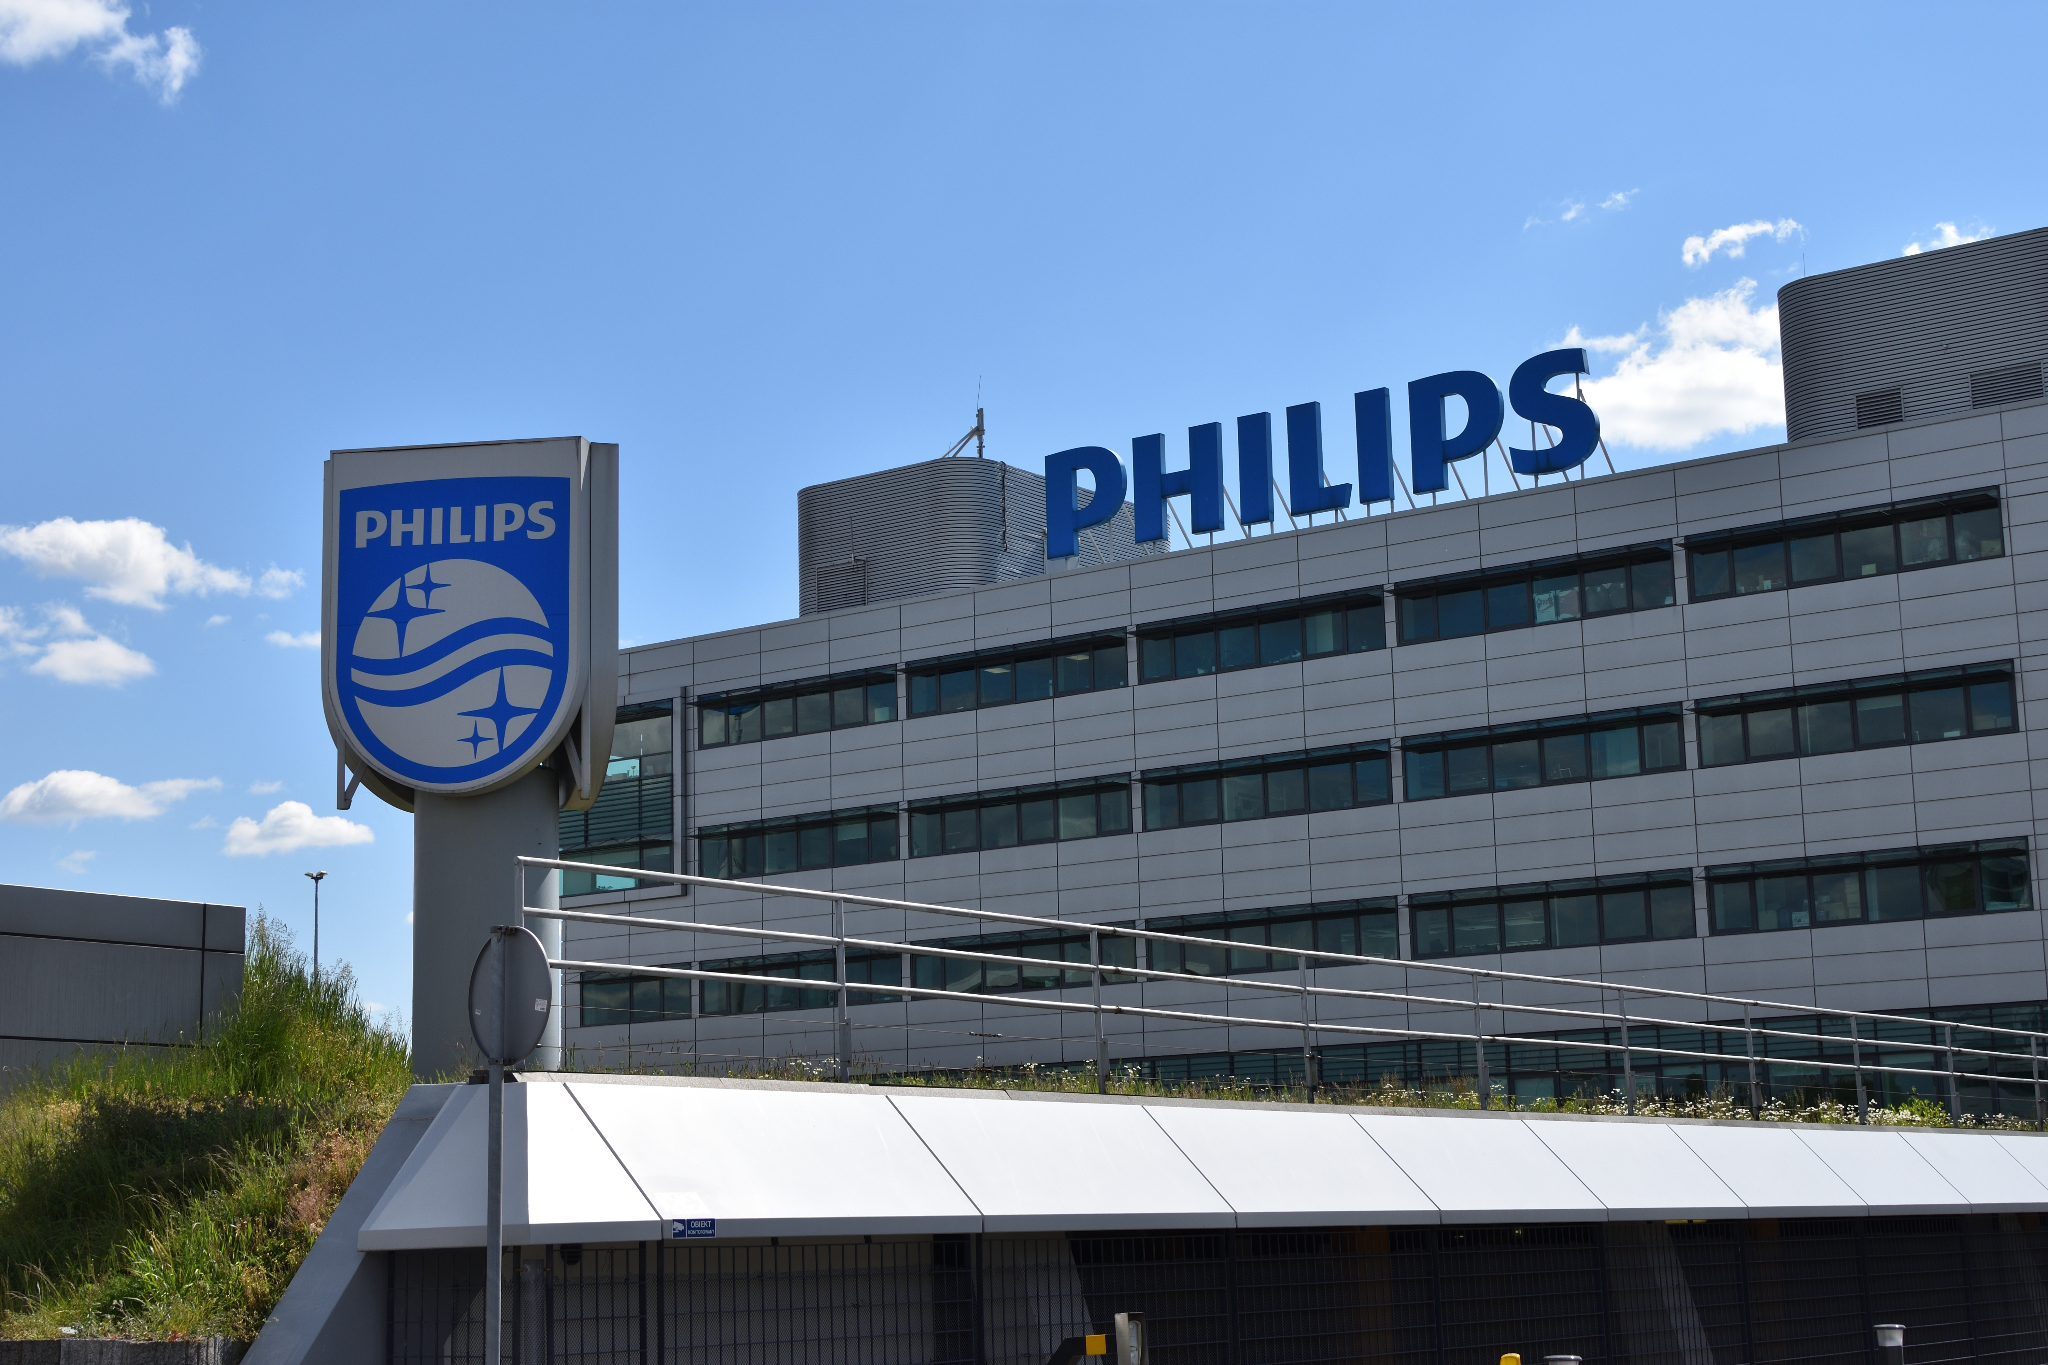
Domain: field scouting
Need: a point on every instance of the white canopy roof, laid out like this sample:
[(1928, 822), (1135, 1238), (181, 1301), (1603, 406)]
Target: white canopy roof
[(619, 1158)]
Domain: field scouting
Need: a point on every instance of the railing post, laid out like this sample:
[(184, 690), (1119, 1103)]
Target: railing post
[(1955, 1098), (842, 1024), (1095, 994), (2034, 1059), (1749, 1044), (1308, 1060), (1479, 1042), (1856, 1061), (1628, 1066)]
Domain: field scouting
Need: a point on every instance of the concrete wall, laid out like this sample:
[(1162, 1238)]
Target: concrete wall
[(79, 969), (1969, 789)]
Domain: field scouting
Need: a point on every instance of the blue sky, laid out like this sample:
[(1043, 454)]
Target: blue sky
[(762, 246)]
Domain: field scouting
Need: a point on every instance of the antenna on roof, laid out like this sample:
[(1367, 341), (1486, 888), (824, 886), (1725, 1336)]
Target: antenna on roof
[(975, 434)]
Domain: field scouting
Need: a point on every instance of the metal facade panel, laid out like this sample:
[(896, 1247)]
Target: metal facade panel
[(1984, 1170), (771, 1163), (1640, 1170), (1483, 1170), (562, 1183), (1332, 1171), (1052, 1166), (1770, 1170), (1920, 324), (1884, 1170)]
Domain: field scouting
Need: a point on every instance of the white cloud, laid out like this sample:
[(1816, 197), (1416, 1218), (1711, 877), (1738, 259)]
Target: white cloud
[(292, 825), (68, 649), (1618, 200), (73, 794), (131, 561), (38, 30), (1571, 211), (75, 862), (96, 659), (1946, 235), (1716, 370), (204, 822), (218, 620), (408, 917), (1698, 251), (284, 639), (264, 788)]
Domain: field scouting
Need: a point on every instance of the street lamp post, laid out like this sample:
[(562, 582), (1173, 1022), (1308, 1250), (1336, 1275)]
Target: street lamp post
[(316, 877)]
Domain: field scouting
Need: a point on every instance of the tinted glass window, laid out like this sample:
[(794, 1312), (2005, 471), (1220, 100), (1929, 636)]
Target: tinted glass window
[(1856, 545)]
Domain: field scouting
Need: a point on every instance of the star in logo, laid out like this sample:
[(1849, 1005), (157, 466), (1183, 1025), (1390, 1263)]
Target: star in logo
[(475, 739), (500, 713), (403, 613)]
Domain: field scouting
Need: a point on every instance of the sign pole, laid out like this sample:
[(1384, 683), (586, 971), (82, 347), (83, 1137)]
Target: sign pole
[(494, 1217), (511, 996)]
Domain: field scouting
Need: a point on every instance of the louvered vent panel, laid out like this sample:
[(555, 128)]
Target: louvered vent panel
[(1880, 409), (842, 585), (2013, 384)]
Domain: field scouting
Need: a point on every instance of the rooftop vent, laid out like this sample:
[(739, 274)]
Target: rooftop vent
[(842, 585), (1880, 409), (2011, 384)]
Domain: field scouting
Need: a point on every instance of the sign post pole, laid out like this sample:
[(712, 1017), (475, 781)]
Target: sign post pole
[(511, 996)]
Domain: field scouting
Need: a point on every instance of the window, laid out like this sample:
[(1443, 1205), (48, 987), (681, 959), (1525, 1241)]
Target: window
[(1362, 927), (1283, 784), (1543, 753), (1044, 814), (1312, 629), (1536, 594), (743, 997), (1576, 914), (804, 708), (632, 824), (1910, 708), (620, 998), (1860, 888), (1050, 946), (968, 682), (1858, 544), (801, 843)]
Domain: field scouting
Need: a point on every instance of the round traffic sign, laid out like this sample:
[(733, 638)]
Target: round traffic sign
[(511, 991)]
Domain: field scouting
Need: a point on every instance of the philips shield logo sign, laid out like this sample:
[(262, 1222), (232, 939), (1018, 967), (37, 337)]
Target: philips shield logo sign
[(457, 648)]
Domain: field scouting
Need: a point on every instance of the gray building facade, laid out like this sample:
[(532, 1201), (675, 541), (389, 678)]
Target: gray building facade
[(1756, 724), (80, 970)]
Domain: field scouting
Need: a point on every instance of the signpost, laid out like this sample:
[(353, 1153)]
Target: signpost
[(469, 664), (511, 998)]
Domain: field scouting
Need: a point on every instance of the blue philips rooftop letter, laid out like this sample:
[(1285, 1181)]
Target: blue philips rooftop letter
[(1255, 468), (1307, 489), (1578, 425), (1201, 481), (1063, 517), (1429, 449), (1374, 412)]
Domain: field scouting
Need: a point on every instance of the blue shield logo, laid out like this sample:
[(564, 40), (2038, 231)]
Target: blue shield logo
[(451, 650)]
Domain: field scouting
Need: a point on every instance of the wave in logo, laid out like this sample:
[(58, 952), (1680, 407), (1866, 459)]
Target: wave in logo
[(452, 663)]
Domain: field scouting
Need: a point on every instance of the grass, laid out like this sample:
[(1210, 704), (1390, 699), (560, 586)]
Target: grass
[(172, 1193)]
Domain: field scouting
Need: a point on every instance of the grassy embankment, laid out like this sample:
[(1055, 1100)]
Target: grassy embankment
[(173, 1193)]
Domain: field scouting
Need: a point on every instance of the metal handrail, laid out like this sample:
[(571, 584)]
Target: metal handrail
[(1302, 988)]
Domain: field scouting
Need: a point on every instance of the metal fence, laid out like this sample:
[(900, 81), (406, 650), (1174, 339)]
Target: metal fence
[(1621, 1035), (1710, 1293)]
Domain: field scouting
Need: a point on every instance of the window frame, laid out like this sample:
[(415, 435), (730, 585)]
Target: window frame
[(1868, 866), (1302, 762), (926, 674), (1487, 582), (1416, 750), (1894, 515), (867, 990), (1964, 678), (1227, 924), (1071, 946), (1475, 900), (879, 685), (714, 842), (929, 815), (1369, 631)]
